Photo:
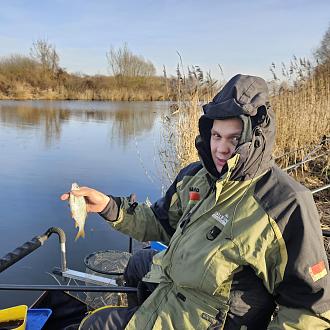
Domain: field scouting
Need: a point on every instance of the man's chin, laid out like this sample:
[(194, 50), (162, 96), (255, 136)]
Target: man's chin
[(219, 168)]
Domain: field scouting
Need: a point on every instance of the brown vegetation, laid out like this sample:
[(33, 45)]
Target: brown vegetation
[(39, 76), (301, 101), (22, 78)]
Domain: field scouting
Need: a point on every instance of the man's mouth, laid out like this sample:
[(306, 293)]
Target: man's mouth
[(220, 162)]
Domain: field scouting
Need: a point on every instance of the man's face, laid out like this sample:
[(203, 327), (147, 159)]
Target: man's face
[(225, 135)]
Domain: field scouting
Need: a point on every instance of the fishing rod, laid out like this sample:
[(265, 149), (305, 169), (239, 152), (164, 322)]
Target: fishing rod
[(308, 157), (321, 188), (304, 161), (323, 141)]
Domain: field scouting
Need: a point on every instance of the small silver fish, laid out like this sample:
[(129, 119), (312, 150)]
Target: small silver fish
[(78, 211)]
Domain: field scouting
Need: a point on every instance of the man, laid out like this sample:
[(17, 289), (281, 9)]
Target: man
[(241, 233)]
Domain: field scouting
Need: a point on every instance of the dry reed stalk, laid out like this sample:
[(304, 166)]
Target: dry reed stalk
[(302, 118), (302, 106), (187, 124), (180, 124), (302, 112)]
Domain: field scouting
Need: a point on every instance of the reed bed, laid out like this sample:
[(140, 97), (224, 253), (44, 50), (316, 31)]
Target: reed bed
[(180, 123), (301, 102), (302, 109)]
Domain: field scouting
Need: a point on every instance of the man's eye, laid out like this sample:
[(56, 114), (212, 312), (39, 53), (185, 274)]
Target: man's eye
[(235, 139)]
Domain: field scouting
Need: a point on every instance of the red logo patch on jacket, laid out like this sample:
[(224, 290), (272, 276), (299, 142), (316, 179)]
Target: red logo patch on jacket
[(194, 196), (318, 271)]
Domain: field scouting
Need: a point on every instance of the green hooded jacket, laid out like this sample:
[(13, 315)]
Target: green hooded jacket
[(238, 240)]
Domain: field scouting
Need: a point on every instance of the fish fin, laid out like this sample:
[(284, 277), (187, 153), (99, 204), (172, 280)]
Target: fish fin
[(81, 233)]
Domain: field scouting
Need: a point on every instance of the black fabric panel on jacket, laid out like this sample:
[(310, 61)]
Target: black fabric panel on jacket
[(292, 207), (161, 207), (250, 303)]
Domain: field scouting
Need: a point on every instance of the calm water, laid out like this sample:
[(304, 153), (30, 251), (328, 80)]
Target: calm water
[(45, 146)]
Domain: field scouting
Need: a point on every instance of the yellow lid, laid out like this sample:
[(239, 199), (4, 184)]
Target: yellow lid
[(13, 317)]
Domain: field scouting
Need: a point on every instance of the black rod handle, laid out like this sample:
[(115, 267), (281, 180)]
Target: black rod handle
[(19, 253), (28, 247), (326, 233)]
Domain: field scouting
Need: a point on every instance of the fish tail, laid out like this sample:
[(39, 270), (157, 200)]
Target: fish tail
[(81, 233)]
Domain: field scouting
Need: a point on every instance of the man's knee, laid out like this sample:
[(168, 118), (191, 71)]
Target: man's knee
[(110, 318), (138, 266)]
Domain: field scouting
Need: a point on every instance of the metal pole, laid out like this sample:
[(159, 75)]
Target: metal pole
[(62, 239), (86, 288), (294, 166), (321, 188)]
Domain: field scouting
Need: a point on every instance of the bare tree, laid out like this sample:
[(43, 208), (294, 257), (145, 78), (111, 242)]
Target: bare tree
[(46, 54), (123, 62), (322, 54)]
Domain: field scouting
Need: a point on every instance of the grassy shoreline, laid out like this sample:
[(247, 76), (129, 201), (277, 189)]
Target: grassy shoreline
[(108, 89)]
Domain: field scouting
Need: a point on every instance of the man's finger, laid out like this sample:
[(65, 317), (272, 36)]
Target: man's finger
[(65, 196), (82, 191)]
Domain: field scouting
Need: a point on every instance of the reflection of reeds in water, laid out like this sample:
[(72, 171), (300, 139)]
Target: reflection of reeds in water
[(129, 123), (128, 119), (24, 117)]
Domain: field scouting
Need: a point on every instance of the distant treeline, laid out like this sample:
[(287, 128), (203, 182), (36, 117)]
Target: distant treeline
[(39, 76)]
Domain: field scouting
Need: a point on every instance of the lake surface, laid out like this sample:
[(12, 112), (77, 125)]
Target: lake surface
[(47, 145)]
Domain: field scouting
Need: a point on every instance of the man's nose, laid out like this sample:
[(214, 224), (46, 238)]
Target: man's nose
[(223, 147)]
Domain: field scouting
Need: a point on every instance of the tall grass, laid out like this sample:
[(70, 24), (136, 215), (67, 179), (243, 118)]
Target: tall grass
[(300, 97), (180, 124), (301, 101)]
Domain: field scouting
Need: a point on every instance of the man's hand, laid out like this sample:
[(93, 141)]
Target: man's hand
[(95, 200)]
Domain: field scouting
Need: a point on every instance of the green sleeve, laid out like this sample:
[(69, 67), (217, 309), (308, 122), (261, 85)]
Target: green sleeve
[(296, 319), (143, 223)]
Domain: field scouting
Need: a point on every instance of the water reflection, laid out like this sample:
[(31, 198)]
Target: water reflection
[(77, 137), (127, 119)]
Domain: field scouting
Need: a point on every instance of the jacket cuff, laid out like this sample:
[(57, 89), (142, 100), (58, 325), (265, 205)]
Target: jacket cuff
[(111, 211)]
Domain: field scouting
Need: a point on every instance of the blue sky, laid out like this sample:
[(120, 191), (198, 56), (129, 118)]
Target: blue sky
[(243, 36)]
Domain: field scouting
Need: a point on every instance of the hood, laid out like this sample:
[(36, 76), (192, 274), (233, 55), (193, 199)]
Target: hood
[(244, 97)]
